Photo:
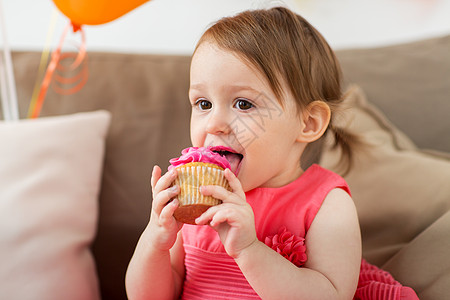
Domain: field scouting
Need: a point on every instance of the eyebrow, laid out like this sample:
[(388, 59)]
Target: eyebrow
[(229, 87)]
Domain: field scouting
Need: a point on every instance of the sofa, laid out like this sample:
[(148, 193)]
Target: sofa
[(74, 183)]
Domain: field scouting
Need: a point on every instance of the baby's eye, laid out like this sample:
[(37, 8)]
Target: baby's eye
[(203, 104), (243, 104)]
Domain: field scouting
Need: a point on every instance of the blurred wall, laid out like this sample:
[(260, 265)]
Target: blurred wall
[(173, 26)]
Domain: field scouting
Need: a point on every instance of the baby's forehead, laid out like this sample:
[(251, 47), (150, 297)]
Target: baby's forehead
[(272, 78)]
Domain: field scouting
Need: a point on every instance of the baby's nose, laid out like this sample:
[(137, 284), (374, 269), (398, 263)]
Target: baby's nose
[(218, 123)]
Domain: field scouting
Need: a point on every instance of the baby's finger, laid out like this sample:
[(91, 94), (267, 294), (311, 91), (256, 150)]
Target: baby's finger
[(156, 174), (166, 216), (222, 216), (218, 214), (164, 197), (234, 182), (220, 193), (164, 181), (207, 216)]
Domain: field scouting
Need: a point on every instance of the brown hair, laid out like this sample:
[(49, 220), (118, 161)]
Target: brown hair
[(286, 47)]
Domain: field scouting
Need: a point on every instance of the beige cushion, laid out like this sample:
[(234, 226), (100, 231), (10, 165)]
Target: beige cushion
[(399, 192), (424, 262), (49, 183), (410, 83)]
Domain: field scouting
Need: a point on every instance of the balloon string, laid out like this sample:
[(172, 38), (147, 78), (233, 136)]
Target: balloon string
[(80, 61), (43, 62), (54, 64)]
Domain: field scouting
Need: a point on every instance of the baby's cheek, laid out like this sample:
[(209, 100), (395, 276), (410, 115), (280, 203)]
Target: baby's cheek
[(197, 137), (247, 180), (245, 132)]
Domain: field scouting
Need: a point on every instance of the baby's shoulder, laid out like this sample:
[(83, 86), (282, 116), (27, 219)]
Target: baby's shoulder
[(337, 213)]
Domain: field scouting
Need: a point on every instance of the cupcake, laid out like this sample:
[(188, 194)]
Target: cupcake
[(198, 166)]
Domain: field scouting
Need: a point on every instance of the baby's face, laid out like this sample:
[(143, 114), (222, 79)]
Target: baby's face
[(233, 106)]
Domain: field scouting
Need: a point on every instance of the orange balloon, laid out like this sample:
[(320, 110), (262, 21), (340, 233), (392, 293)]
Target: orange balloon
[(95, 12)]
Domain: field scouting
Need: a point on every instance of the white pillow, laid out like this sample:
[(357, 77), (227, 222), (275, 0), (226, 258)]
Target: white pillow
[(50, 170)]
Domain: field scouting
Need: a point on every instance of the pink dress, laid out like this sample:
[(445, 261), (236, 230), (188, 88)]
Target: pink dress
[(282, 219)]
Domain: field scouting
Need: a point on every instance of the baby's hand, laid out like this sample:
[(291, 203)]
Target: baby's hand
[(233, 219), (163, 227)]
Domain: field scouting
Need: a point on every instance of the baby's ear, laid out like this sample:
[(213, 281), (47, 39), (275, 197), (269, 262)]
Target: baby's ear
[(315, 119)]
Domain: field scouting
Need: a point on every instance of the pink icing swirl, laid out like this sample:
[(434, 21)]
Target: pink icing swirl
[(199, 154)]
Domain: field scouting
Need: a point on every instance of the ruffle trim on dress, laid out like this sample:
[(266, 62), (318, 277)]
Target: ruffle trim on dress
[(290, 246), (377, 284)]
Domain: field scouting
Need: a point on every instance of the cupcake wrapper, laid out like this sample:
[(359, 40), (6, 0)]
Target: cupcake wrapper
[(193, 175)]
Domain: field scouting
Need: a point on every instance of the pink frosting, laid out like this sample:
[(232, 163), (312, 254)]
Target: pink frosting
[(199, 154)]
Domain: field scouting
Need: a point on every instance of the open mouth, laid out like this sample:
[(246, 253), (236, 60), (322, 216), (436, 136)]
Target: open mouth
[(233, 157)]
